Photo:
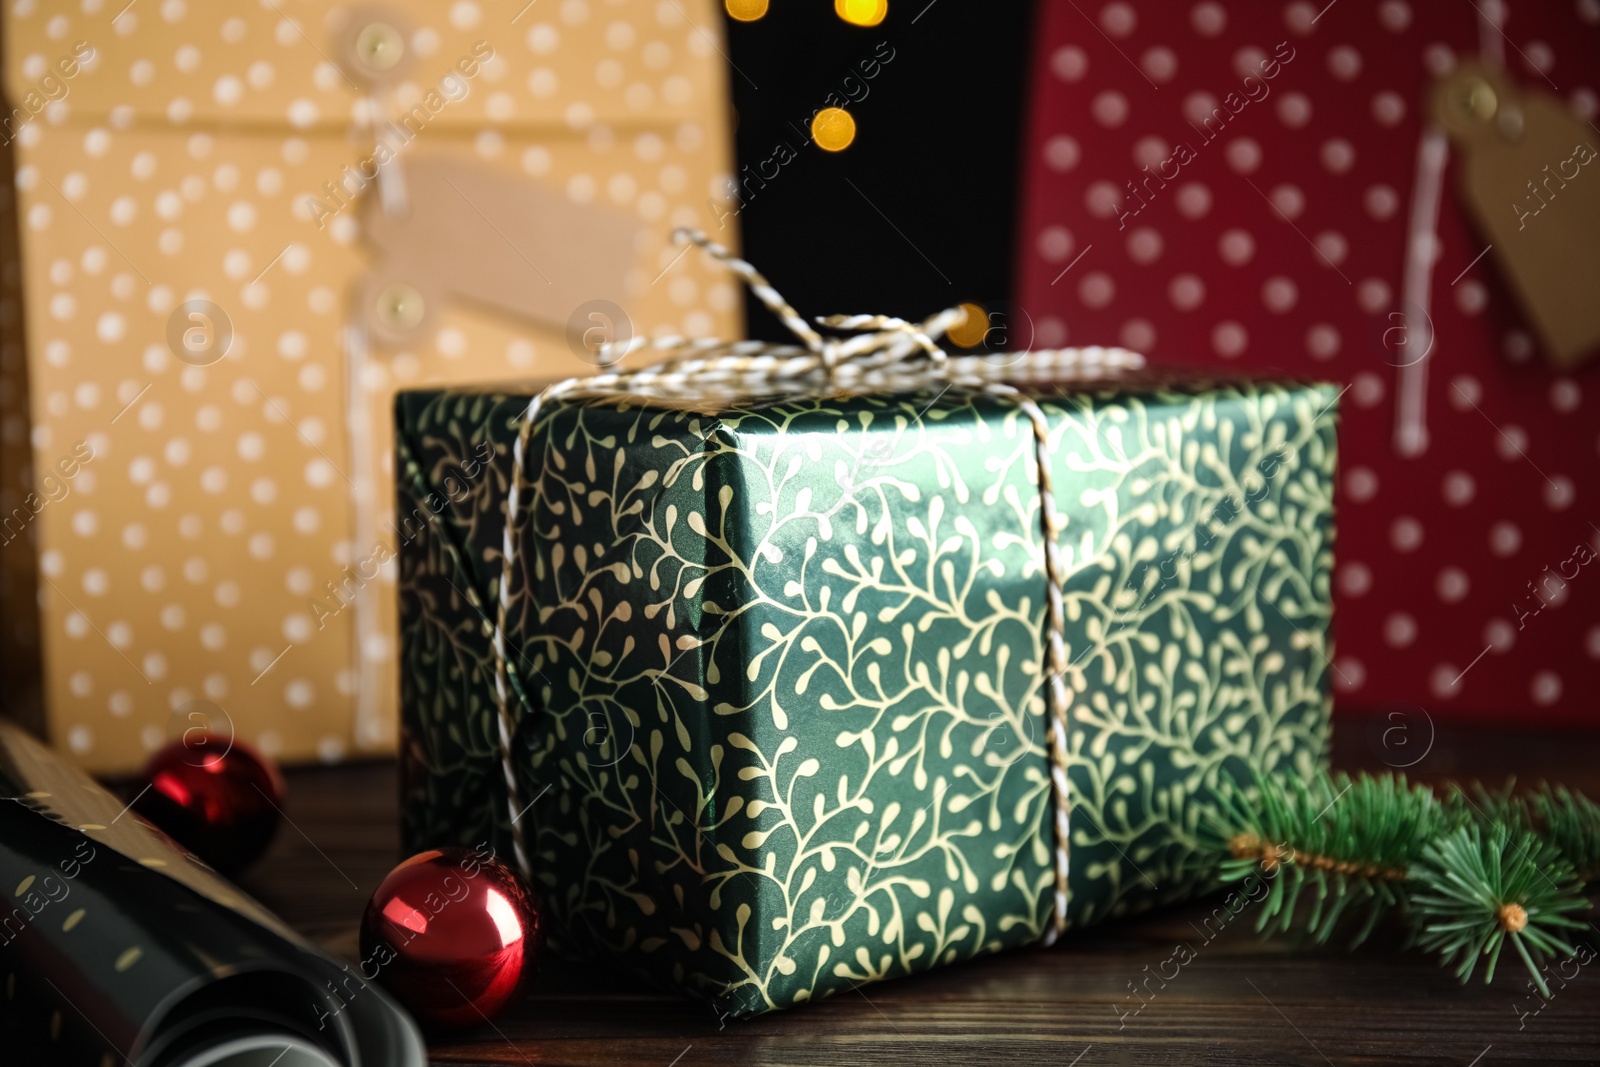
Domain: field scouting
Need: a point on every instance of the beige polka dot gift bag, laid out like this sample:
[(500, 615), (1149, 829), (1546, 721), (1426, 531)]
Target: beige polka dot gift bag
[(242, 227)]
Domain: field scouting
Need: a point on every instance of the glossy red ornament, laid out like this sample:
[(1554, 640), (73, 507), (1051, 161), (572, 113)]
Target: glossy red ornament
[(454, 934), (215, 796)]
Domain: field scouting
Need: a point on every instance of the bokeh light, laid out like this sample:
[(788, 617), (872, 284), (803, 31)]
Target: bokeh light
[(970, 331), (745, 10), (861, 12), (833, 129)]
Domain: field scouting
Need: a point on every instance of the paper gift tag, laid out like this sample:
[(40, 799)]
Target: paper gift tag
[(1529, 177), (503, 242)]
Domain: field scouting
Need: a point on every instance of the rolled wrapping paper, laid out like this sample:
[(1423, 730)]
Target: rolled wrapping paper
[(117, 947)]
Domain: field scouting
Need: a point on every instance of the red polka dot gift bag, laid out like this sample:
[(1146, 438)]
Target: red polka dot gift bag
[(1294, 187)]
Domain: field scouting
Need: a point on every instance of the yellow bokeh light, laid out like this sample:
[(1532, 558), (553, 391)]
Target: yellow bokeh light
[(745, 10), (833, 129), (971, 330), (861, 12)]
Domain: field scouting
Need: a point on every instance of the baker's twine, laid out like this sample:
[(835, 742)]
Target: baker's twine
[(880, 350)]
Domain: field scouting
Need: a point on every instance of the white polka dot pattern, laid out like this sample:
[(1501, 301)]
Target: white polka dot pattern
[(190, 555), (1254, 217)]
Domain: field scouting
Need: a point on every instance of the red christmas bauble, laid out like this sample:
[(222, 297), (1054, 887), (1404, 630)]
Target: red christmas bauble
[(215, 796), (454, 934)]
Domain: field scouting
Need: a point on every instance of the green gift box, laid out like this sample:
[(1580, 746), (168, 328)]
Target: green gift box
[(760, 688)]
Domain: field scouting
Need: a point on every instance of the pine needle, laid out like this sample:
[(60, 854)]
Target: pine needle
[(1348, 839), (1478, 887), (1469, 873)]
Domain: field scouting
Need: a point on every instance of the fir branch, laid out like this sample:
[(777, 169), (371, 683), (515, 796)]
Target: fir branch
[(1571, 822), (1468, 872), (1349, 841), (1478, 887)]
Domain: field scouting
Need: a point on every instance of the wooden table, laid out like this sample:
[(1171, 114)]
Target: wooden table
[(1241, 1001)]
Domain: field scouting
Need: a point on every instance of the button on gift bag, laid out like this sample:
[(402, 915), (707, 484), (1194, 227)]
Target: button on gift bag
[(1395, 195), (244, 225), (801, 666)]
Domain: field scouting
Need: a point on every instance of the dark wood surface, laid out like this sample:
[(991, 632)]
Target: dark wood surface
[(1241, 1000)]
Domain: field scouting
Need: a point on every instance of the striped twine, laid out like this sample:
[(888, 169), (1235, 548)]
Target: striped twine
[(1057, 698)]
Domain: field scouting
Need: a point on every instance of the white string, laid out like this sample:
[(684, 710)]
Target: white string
[(1422, 249)]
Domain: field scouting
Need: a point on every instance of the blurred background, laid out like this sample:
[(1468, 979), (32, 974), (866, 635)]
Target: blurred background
[(230, 233)]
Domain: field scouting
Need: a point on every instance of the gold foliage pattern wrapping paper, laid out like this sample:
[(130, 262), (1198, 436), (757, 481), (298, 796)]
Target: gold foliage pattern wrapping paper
[(778, 665), (207, 151)]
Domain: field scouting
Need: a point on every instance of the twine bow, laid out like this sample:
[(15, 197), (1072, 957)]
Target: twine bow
[(890, 340), (882, 349)]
